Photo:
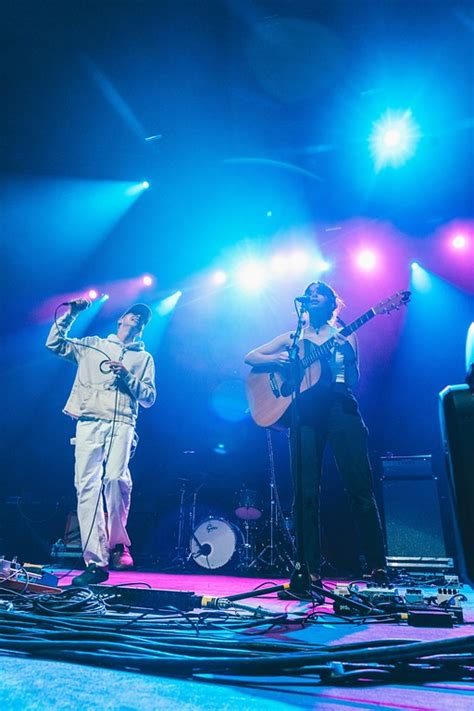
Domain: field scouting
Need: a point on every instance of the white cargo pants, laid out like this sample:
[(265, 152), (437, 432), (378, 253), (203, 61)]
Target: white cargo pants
[(94, 445)]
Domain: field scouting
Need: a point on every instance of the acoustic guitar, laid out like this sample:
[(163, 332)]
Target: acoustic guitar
[(270, 390)]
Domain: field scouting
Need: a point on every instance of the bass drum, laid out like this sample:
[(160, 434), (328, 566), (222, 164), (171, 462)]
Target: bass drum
[(213, 543)]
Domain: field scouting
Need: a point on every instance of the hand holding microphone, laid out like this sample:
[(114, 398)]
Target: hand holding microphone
[(116, 367), (78, 305)]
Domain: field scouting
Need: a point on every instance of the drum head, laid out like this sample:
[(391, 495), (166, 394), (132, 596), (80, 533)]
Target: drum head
[(247, 506), (213, 543)]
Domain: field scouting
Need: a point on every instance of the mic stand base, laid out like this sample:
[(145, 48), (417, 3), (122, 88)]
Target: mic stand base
[(300, 585), (300, 579)]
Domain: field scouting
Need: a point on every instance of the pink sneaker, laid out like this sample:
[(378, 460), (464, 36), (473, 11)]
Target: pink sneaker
[(121, 558)]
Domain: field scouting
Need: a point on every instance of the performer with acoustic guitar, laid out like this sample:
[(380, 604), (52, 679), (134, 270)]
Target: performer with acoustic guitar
[(328, 412)]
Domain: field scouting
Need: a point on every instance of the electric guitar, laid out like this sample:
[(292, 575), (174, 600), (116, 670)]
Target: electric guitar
[(270, 391)]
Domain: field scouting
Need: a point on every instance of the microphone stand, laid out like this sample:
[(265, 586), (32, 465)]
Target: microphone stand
[(300, 580)]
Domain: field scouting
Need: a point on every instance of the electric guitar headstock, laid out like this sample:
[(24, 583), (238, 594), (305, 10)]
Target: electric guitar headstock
[(393, 303)]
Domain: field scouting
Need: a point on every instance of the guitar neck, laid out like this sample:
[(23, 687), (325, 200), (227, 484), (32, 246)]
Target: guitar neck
[(318, 352), (347, 330)]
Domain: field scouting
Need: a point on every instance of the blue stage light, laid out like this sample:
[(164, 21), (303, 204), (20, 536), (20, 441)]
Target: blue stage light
[(219, 277), (166, 306), (394, 138), (251, 275), (137, 188), (421, 280)]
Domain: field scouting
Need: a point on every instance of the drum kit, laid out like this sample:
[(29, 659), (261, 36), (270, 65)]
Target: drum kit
[(215, 542)]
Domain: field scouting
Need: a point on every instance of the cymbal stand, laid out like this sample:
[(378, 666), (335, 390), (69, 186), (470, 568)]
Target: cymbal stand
[(181, 557), (269, 554), (192, 524), (247, 551)]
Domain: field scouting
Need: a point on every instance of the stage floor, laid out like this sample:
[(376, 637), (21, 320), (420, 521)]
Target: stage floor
[(32, 683)]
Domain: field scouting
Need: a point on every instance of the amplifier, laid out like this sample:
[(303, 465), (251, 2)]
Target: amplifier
[(456, 413), (416, 467), (412, 513)]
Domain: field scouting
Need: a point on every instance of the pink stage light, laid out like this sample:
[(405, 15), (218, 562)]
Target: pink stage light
[(92, 294), (147, 280), (459, 242), (366, 260)]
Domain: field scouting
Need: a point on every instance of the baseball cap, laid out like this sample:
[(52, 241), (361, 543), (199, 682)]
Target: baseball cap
[(141, 310)]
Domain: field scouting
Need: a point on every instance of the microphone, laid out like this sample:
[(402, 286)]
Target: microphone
[(78, 304), (303, 299)]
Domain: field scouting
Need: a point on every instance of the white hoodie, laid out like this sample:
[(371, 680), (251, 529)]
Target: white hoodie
[(98, 395)]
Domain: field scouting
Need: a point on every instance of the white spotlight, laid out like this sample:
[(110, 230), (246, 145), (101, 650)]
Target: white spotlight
[(251, 276), (394, 138), (219, 277)]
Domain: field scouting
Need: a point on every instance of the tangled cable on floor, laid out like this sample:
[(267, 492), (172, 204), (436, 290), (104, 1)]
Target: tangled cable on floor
[(215, 645)]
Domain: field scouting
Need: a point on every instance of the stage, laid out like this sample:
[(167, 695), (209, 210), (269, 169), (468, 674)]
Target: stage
[(44, 683), (238, 341)]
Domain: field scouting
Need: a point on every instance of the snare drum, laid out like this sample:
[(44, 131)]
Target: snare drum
[(213, 543)]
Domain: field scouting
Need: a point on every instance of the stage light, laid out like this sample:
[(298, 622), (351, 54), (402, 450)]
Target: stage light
[(220, 448), (104, 297), (219, 277), (322, 266), (394, 138), (147, 280), (278, 264), (251, 276), (366, 260), (269, 213), (299, 262), (420, 278), (92, 293), (229, 400), (459, 242), (166, 306), (137, 188)]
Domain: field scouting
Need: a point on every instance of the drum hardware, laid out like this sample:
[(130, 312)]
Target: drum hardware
[(247, 507), (248, 547), (180, 557), (270, 555), (186, 511), (213, 543)]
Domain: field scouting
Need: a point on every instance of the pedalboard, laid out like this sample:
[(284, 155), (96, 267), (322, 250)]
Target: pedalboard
[(414, 606)]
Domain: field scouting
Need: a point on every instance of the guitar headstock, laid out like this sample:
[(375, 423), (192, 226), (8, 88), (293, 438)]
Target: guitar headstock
[(393, 303)]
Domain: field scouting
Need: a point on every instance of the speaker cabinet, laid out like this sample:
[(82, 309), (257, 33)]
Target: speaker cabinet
[(412, 515), (456, 411)]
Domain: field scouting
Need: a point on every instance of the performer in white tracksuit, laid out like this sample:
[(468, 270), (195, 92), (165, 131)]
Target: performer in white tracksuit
[(115, 375)]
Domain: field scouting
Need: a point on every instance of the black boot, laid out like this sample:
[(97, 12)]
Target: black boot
[(93, 575)]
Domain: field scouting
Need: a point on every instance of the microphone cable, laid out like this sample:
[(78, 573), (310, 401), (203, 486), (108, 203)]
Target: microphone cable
[(75, 344)]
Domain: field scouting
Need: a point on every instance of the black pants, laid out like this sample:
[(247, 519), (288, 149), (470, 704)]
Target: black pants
[(337, 420)]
